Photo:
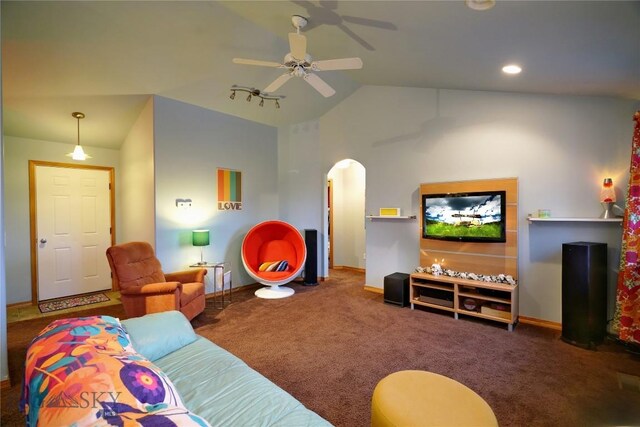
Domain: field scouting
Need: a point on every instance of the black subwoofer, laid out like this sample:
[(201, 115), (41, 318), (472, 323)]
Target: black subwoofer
[(311, 264), (584, 293), (396, 289)]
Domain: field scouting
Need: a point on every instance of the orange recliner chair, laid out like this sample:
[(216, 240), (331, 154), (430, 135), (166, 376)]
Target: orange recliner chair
[(273, 253), (144, 288)]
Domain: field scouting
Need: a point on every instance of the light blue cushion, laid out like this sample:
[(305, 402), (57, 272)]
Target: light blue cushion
[(230, 393), (158, 334)]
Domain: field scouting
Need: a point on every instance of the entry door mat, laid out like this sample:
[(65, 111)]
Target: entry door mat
[(77, 301)]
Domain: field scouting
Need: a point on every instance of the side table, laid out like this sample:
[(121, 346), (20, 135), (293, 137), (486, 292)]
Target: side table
[(225, 268)]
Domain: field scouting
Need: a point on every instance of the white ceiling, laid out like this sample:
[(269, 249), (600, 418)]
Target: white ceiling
[(105, 58)]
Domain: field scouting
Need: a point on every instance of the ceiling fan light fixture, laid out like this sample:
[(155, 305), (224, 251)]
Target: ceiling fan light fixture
[(261, 102), (249, 98), (512, 69), (78, 152), (480, 4)]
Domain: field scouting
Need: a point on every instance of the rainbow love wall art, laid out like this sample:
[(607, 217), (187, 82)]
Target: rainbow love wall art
[(229, 190)]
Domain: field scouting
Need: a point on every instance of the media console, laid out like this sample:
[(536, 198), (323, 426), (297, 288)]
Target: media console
[(487, 300)]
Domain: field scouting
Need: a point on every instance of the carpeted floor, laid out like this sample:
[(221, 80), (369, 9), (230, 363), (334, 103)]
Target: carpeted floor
[(329, 345)]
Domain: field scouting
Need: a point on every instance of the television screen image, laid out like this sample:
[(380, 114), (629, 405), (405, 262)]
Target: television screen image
[(470, 217)]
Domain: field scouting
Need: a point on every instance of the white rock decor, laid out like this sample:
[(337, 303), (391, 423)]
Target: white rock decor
[(437, 270)]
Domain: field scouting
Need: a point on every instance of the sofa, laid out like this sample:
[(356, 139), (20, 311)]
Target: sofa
[(150, 370)]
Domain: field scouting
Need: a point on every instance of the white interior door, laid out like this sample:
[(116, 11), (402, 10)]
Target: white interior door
[(73, 208)]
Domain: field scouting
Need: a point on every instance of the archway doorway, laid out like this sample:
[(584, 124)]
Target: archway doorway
[(346, 215)]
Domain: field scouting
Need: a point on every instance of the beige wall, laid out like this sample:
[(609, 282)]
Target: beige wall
[(137, 188), (190, 144), (560, 148)]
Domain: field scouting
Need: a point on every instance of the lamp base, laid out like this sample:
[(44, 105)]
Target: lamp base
[(608, 210)]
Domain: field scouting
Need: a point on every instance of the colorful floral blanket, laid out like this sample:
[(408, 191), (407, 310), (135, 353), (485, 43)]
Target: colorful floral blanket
[(84, 372)]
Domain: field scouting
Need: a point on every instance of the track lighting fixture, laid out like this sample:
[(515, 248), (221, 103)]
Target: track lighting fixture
[(256, 93)]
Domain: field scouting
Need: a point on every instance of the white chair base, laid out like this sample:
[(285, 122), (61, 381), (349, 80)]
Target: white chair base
[(274, 292)]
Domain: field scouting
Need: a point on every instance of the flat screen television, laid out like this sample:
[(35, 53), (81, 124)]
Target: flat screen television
[(464, 217)]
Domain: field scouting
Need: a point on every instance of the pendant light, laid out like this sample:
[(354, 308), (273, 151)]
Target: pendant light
[(78, 152)]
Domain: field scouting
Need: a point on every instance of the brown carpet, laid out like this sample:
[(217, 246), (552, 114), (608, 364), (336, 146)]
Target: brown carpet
[(329, 345)]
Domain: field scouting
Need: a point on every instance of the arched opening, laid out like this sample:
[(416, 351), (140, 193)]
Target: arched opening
[(345, 213)]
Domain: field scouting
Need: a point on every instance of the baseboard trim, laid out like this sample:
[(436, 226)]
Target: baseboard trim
[(20, 304), (373, 289), (5, 384), (539, 322), (346, 267)]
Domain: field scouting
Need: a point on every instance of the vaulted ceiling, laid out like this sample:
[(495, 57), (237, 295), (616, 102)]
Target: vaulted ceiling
[(105, 58)]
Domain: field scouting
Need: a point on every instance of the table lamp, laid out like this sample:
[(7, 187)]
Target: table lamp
[(608, 199), (200, 238)]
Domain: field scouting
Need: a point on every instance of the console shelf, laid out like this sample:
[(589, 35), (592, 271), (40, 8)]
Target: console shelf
[(391, 217), (614, 220), (494, 301)]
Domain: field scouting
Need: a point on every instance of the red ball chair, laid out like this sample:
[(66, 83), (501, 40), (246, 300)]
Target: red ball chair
[(273, 253)]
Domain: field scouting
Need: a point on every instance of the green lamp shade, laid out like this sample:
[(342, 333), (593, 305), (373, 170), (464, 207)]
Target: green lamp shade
[(200, 237)]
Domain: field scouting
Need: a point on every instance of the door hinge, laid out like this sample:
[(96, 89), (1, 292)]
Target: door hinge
[(111, 274), (110, 230), (109, 186)]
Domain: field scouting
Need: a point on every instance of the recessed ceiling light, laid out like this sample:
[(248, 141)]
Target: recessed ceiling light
[(480, 4), (511, 69)]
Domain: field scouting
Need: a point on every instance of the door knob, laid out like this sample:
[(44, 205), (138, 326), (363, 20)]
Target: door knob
[(43, 241)]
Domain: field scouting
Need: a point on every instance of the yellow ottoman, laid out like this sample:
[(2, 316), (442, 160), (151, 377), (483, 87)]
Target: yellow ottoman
[(420, 398)]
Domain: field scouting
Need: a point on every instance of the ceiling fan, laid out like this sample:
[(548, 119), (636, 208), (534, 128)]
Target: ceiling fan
[(299, 63)]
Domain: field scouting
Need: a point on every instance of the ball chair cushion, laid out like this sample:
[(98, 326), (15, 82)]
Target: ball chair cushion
[(277, 250)]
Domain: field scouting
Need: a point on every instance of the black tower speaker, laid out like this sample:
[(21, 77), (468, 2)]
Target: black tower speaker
[(396, 289), (311, 264), (584, 293)]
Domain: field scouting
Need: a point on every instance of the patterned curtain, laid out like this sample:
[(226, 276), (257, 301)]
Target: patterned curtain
[(628, 294)]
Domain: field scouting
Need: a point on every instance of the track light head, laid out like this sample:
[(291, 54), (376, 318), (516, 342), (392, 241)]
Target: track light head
[(256, 93)]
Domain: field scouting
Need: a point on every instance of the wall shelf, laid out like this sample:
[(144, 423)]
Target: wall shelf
[(613, 220), (372, 217)]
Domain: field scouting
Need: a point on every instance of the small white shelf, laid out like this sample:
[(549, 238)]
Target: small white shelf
[(614, 220), (390, 217)]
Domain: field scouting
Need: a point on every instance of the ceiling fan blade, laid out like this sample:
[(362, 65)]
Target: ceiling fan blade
[(256, 62), (369, 22), (275, 85), (319, 85), (298, 45), (337, 64)]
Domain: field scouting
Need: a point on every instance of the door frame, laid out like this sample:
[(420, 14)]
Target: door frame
[(33, 214), (331, 229)]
